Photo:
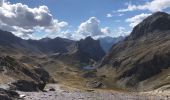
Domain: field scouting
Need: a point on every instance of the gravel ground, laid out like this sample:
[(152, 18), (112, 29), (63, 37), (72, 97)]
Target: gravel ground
[(71, 94)]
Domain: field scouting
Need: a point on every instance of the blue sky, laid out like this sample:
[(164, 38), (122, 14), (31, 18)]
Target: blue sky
[(77, 19)]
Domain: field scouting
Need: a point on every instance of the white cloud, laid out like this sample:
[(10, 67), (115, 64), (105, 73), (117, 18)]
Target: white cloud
[(27, 22), (117, 14), (121, 31), (23, 20), (109, 15), (153, 6), (116, 32), (90, 27), (105, 30), (137, 19), (121, 14)]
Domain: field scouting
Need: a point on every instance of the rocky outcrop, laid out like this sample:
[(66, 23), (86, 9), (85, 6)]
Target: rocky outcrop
[(8, 95), (43, 74), (27, 79), (28, 86)]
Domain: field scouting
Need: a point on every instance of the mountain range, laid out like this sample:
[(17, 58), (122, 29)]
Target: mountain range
[(140, 61), (51, 54), (49, 46)]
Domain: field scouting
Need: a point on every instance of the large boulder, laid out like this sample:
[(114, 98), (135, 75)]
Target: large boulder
[(28, 86), (8, 95), (43, 74)]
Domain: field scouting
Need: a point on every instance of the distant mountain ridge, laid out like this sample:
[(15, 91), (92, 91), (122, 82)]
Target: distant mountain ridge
[(56, 45), (107, 42), (86, 50)]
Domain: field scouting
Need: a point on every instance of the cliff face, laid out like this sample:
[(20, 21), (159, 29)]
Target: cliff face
[(142, 60), (90, 49)]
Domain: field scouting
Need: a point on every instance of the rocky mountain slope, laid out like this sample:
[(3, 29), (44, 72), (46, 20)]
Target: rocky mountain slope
[(88, 49), (12, 45), (17, 75), (142, 60)]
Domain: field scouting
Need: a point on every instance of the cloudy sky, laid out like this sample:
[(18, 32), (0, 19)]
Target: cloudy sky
[(75, 19)]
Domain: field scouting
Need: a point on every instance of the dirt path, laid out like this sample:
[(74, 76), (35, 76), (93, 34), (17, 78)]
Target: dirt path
[(65, 94)]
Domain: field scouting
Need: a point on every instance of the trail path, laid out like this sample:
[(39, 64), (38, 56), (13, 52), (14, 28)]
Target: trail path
[(74, 94)]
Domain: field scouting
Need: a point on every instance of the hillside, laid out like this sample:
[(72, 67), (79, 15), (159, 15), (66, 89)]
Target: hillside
[(56, 55), (142, 60)]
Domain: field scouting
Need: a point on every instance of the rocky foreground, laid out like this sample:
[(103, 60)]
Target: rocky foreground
[(58, 92)]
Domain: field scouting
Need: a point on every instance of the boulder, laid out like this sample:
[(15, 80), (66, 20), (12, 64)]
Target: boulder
[(95, 84), (26, 86), (43, 74), (51, 89), (8, 95), (41, 86)]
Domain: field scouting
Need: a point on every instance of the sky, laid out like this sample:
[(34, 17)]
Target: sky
[(75, 19)]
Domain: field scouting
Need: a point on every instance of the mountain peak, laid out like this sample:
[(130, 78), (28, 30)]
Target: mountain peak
[(45, 39), (90, 48), (159, 13), (158, 21), (89, 38)]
